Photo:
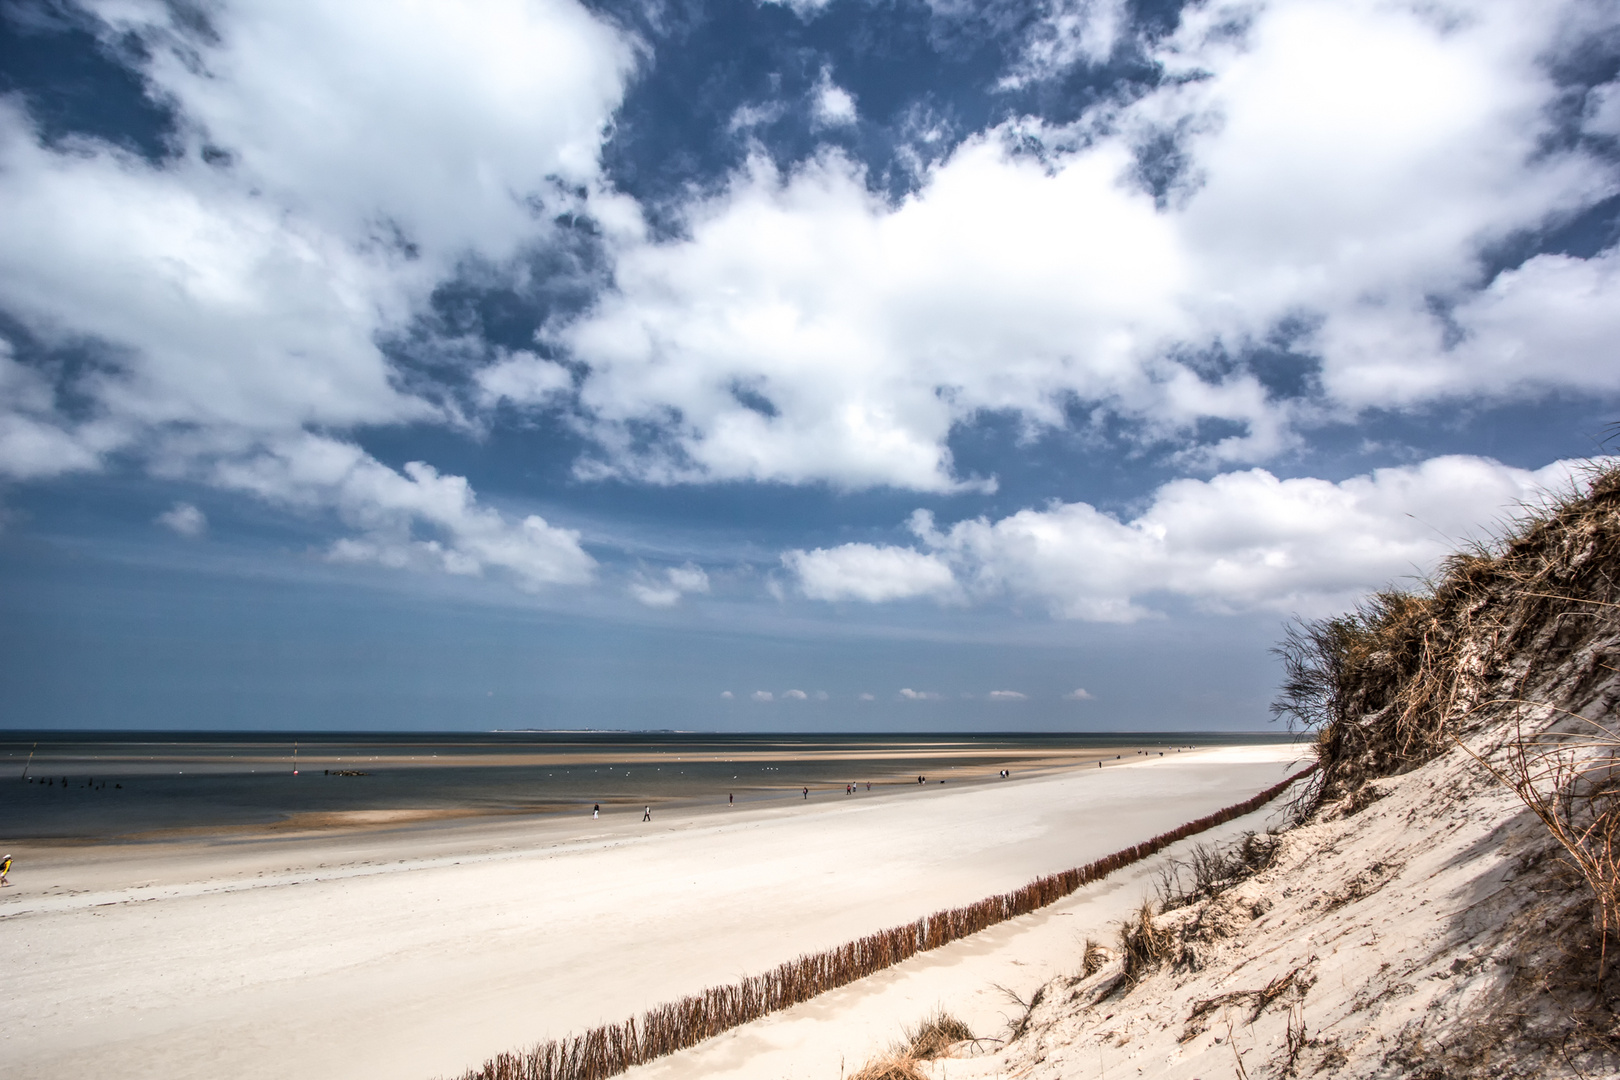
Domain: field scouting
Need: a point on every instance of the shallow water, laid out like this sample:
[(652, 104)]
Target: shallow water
[(134, 785)]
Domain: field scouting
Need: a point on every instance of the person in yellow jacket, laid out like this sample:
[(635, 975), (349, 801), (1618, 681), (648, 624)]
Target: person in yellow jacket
[(5, 868)]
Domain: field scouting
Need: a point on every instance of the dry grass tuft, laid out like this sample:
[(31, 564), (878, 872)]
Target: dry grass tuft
[(929, 1040), (1095, 957), (1144, 943), (891, 1066), (935, 1036)]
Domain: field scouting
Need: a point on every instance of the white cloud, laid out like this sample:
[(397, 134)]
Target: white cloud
[(1603, 110), (391, 510), (362, 116), (1078, 694), (804, 9), (831, 105), (666, 591), (865, 697), (921, 695), (763, 695), (523, 378), (368, 150), (1066, 33), (727, 695), (184, 519), (35, 442), (795, 695), (748, 117), (868, 572), (1006, 695), (1240, 541), (1348, 161)]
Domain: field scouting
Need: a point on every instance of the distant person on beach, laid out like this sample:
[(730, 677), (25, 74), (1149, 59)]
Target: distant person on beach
[(646, 815), (5, 869), (806, 794), (731, 800), (596, 811)]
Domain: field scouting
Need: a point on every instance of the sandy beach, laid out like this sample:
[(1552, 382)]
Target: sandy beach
[(405, 950)]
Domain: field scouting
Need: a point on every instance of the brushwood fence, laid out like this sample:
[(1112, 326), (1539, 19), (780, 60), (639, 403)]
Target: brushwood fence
[(614, 1048)]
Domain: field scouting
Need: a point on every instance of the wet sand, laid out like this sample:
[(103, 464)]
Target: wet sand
[(415, 949)]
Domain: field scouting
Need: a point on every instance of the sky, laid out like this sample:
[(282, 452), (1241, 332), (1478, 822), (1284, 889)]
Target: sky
[(882, 365)]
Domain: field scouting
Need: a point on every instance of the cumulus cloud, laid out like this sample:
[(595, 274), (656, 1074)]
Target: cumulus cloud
[(666, 590), (795, 695), (727, 695), (920, 695), (869, 572), (184, 519), (1006, 695), (415, 518), (763, 695), (865, 697), (332, 165), (1240, 541), (1078, 694), (1331, 176)]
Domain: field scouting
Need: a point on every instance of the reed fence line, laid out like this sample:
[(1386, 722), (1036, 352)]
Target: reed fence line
[(614, 1048)]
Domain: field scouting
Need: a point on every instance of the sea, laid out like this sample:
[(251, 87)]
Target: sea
[(129, 785)]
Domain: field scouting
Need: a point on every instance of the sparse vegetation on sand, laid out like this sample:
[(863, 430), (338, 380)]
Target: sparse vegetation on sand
[(1507, 638), (1447, 901), (613, 1048), (934, 1038)]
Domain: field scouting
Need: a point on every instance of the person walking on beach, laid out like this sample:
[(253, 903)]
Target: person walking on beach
[(646, 815), (806, 794), (596, 811), (5, 869), (731, 800)]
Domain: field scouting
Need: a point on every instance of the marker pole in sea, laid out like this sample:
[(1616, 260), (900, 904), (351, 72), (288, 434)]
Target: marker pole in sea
[(29, 763), (295, 757)]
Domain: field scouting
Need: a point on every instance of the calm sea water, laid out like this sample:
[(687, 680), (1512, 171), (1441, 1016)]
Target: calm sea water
[(104, 785)]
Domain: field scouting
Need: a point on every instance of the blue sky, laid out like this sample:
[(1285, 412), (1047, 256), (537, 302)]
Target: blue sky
[(738, 365)]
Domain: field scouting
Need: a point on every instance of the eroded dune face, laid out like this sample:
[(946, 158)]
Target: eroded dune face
[(1421, 920)]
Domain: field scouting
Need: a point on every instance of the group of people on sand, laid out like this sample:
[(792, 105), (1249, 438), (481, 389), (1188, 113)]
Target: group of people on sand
[(731, 799)]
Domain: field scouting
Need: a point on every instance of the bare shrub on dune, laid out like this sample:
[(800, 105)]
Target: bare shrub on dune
[(1208, 871), (1570, 779)]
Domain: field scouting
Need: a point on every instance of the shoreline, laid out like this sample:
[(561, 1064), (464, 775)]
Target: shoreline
[(445, 945), (151, 797)]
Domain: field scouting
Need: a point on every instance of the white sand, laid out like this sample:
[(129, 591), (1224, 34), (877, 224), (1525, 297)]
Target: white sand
[(413, 952)]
